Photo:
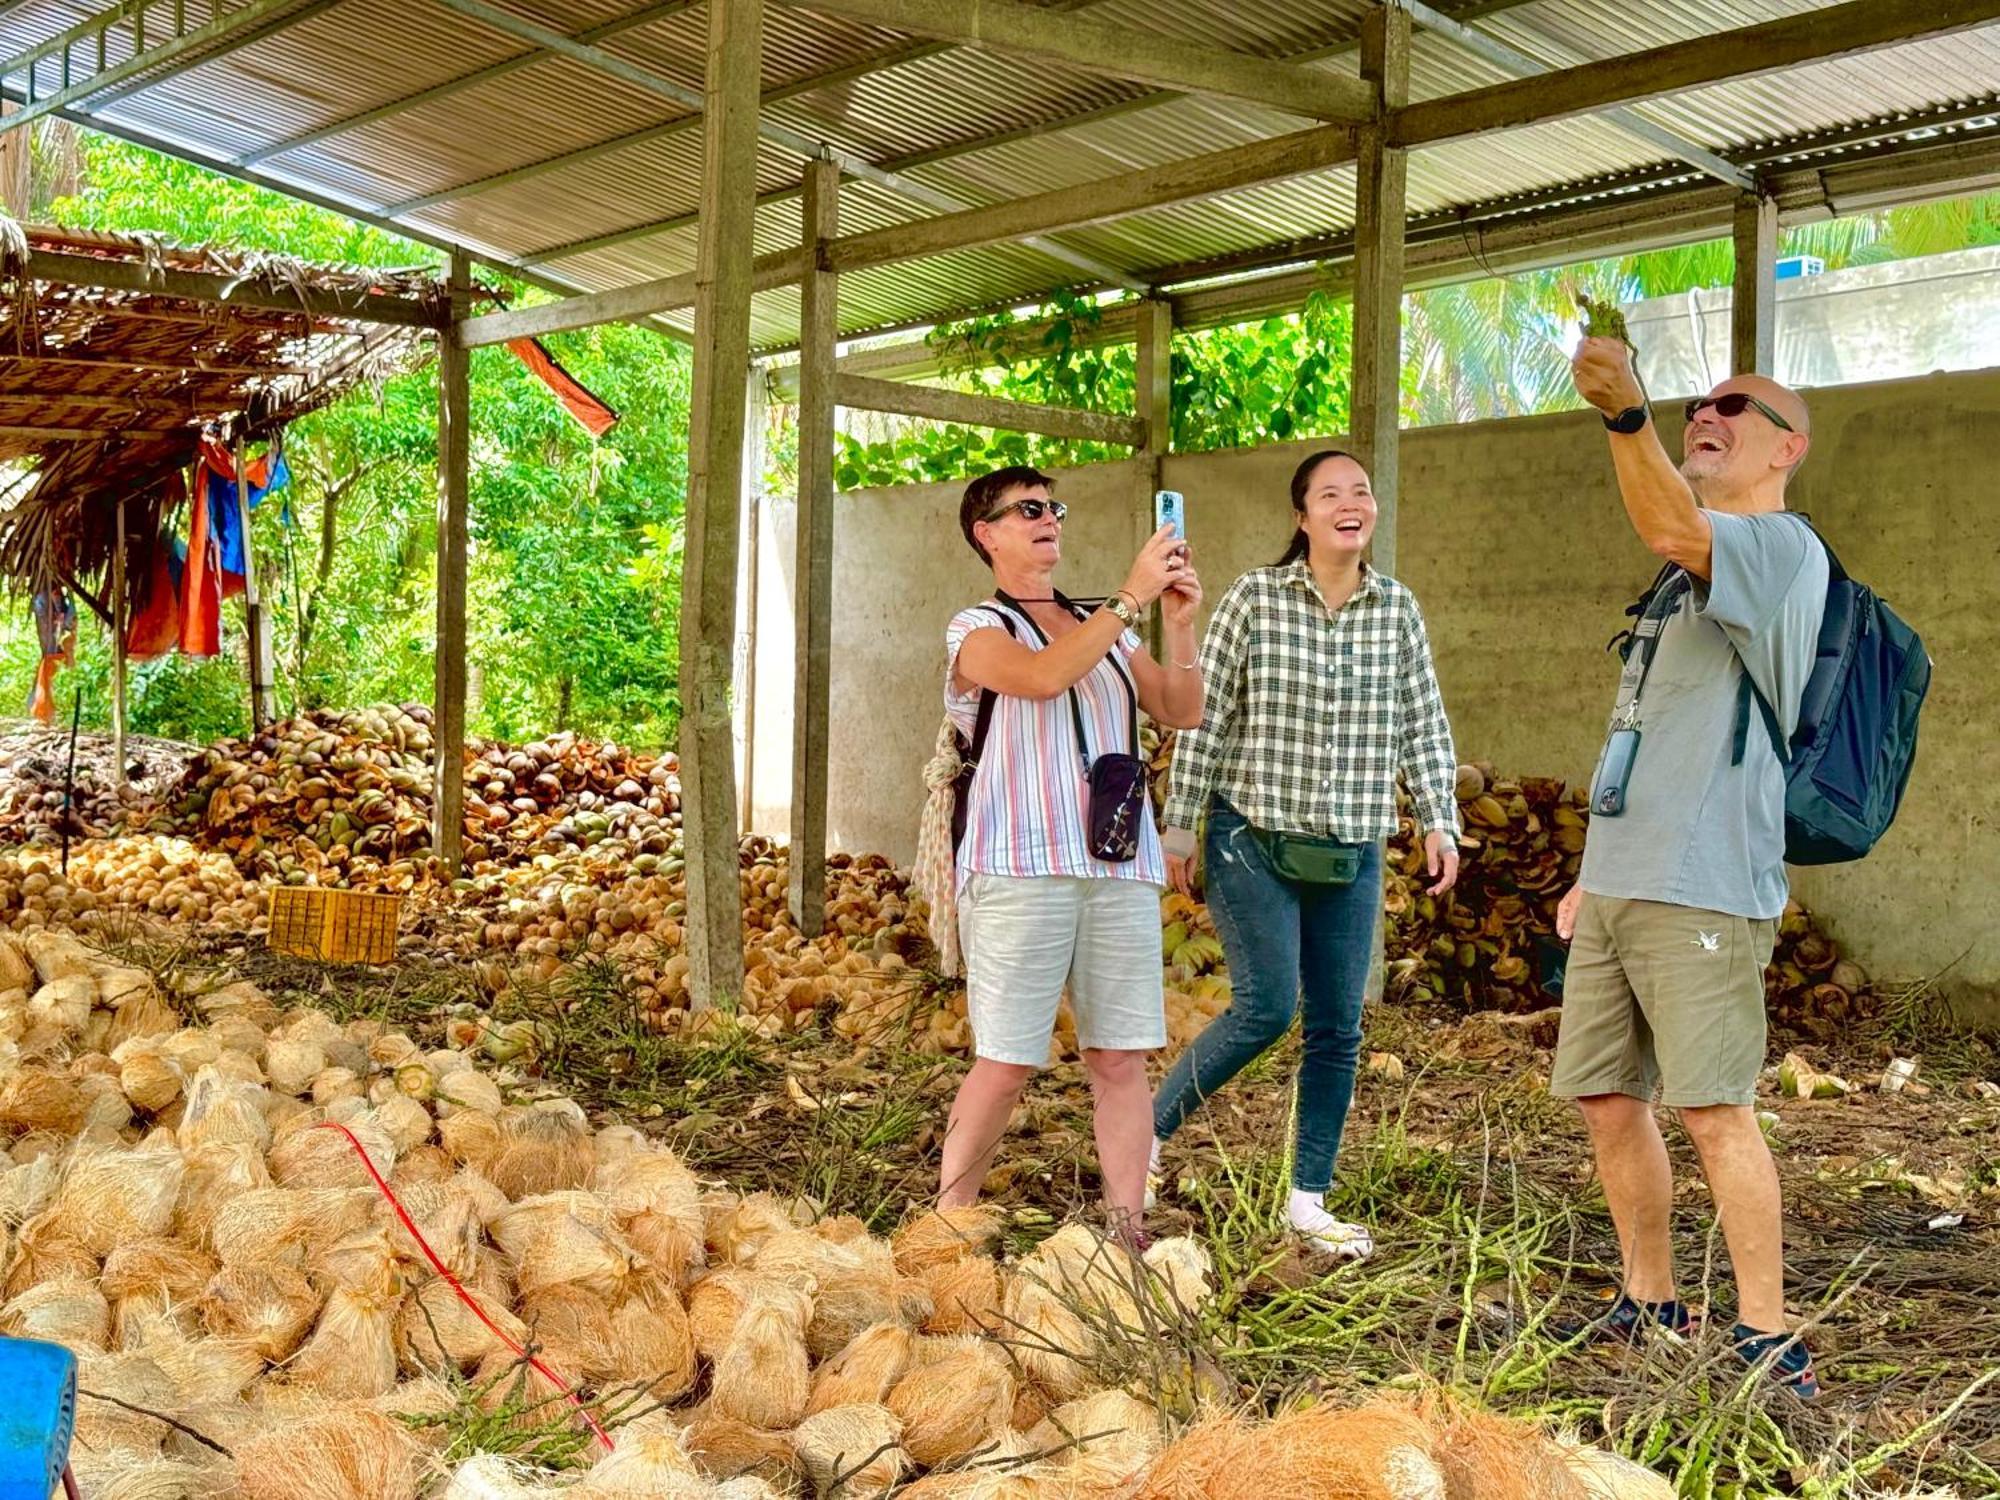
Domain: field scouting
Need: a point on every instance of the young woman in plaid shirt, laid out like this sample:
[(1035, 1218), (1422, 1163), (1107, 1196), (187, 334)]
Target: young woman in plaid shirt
[(1320, 689)]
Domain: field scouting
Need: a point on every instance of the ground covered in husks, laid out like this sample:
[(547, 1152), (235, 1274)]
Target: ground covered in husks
[(1493, 1234)]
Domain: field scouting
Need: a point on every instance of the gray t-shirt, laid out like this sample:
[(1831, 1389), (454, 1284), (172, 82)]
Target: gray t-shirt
[(1697, 831)]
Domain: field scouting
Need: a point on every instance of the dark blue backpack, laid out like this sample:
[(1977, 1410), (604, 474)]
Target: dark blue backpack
[(1850, 757)]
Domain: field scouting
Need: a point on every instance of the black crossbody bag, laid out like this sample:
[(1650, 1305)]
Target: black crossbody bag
[(1116, 781)]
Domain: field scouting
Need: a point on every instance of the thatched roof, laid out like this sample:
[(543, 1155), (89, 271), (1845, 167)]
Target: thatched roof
[(116, 350)]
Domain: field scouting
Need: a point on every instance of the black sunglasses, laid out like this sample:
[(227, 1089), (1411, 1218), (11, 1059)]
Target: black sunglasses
[(1734, 404), (1031, 510)]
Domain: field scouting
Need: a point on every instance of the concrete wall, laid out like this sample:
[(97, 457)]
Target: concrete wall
[(1512, 536)]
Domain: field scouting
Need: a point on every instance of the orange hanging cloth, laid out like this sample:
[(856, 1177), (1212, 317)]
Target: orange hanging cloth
[(596, 417)]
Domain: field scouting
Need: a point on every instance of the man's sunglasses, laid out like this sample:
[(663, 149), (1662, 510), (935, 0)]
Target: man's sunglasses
[(1031, 510), (1734, 404)]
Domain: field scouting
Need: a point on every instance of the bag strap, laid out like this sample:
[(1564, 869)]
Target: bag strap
[(1643, 639), (1075, 702), (1748, 690), (983, 720)]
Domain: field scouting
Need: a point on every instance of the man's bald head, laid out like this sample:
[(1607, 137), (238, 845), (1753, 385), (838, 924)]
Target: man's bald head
[(1730, 458)]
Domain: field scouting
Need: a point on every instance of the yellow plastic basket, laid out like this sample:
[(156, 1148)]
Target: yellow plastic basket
[(334, 926)]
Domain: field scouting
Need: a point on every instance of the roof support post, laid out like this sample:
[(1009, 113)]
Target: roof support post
[(812, 586), (1753, 309), (454, 464), (1153, 392), (1375, 391), (715, 481)]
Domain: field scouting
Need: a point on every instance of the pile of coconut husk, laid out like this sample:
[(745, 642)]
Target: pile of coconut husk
[(332, 1258), (36, 769)]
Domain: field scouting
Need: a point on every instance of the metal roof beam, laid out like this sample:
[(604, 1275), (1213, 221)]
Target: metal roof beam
[(1117, 51), (1590, 88), (779, 135), (458, 85), (236, 40), (1086, 203), (1637, 126), (143, 59)]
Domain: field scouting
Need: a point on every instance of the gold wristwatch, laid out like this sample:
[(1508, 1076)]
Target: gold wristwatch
[(1126, 611)]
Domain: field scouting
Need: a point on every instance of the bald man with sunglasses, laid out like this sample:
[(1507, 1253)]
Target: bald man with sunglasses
[(1675, 911)]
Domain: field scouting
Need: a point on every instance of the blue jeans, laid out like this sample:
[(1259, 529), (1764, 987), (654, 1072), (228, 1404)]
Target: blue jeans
[(1282, 937)]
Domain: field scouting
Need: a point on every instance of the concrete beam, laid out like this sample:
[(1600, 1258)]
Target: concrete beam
[(1118, 51), (859, 393), (723, 278), (812, 572)]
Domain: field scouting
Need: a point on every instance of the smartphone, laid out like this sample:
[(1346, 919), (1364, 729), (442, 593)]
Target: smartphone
[(1614, 771), (1170, 509)]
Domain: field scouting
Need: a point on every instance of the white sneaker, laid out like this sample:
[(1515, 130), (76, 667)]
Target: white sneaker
[(1328, 1235)]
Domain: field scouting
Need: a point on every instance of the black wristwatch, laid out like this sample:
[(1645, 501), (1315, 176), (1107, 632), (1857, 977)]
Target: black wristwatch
[(1628, 421)]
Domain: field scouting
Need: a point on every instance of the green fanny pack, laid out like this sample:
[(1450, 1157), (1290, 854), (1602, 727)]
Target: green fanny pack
[(1309, 860)]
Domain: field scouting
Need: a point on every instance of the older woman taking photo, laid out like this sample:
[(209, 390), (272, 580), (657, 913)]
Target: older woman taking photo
[(1320, 690), (1060, 868)]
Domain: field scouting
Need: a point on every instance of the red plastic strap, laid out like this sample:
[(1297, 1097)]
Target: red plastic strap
[(464, 1296)]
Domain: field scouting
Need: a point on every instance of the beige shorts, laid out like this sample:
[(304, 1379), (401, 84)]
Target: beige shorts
[(1663, 999), (1026, 940)]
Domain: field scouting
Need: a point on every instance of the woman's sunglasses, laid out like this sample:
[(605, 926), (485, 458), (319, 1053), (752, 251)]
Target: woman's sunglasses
[(1031, 510), (1734, 404)]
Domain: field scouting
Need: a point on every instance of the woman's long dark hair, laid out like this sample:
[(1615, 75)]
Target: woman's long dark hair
[(1300, 543)]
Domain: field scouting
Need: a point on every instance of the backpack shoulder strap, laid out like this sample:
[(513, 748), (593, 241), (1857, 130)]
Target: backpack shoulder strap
[(983, 719)]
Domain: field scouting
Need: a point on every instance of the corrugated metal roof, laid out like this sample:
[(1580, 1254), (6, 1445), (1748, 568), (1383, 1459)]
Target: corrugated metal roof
[(555, 154)]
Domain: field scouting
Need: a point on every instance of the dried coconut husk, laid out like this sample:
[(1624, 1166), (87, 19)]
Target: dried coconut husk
[(852, 1449), (150, 1078), (853, 1285), (209, 1370), (1101, 1442), (120, 1475), (112, 1195), (284, 1114), (465, 1090), (352, 1352), (68, 1311), (656, 1201), (1047, 1338), (434, 1328), (504, 1382), (134, 1378), (763, 1377), (315, 1158), (1031, 1406), (28, 1187), (650, 1462), (749, 1487), (56, 954), (107, 1112), (239, 1067), (448, 1218), (941, 1236), (291, 1065), (426, 1164), (738, 1229), (277, 1224), (1383, 1451), (63, 1004), (954, 1405), (1183, 1266), (1007, 1470), (965, 1296), (544, 1148), (45, 1249), (157, 1264), (650, 1337), (36, 1099), (151, 1319), (1488, 1457), (725, 1448), (362, 1260), (349, 1454), (241, 1034), (487, 1200), (1216, 1459), (194, 1048), (16, 972), (1607, 1476), (267, 1305), (714, 1303), (559, 1239), (840, 1229), (220, 1109), (334, 1084), (216, 1175), (471, 1137), (489, 1476), (406, 1122), (573, 1334), (865, 1371), (1080, 1266)]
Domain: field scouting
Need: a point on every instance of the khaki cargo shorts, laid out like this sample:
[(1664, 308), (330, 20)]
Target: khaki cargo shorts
[(1666, 999)]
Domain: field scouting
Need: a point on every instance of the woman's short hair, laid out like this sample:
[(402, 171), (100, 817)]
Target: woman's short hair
[(982, 497)]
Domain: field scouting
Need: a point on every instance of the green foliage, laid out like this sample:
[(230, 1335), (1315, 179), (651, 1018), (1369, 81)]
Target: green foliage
[(574, 579)]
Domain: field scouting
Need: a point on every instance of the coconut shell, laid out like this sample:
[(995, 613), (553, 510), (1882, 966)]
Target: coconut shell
[(342, 1455), (405, 1121), (150, 1078), (67, 1311), (762, 1377), (854, 1449), (64, 1004), (266, 1305), (865, 1371), (333, 1084), (955, 1405), (352, 1352), (462, 1088), (940, 1236)]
